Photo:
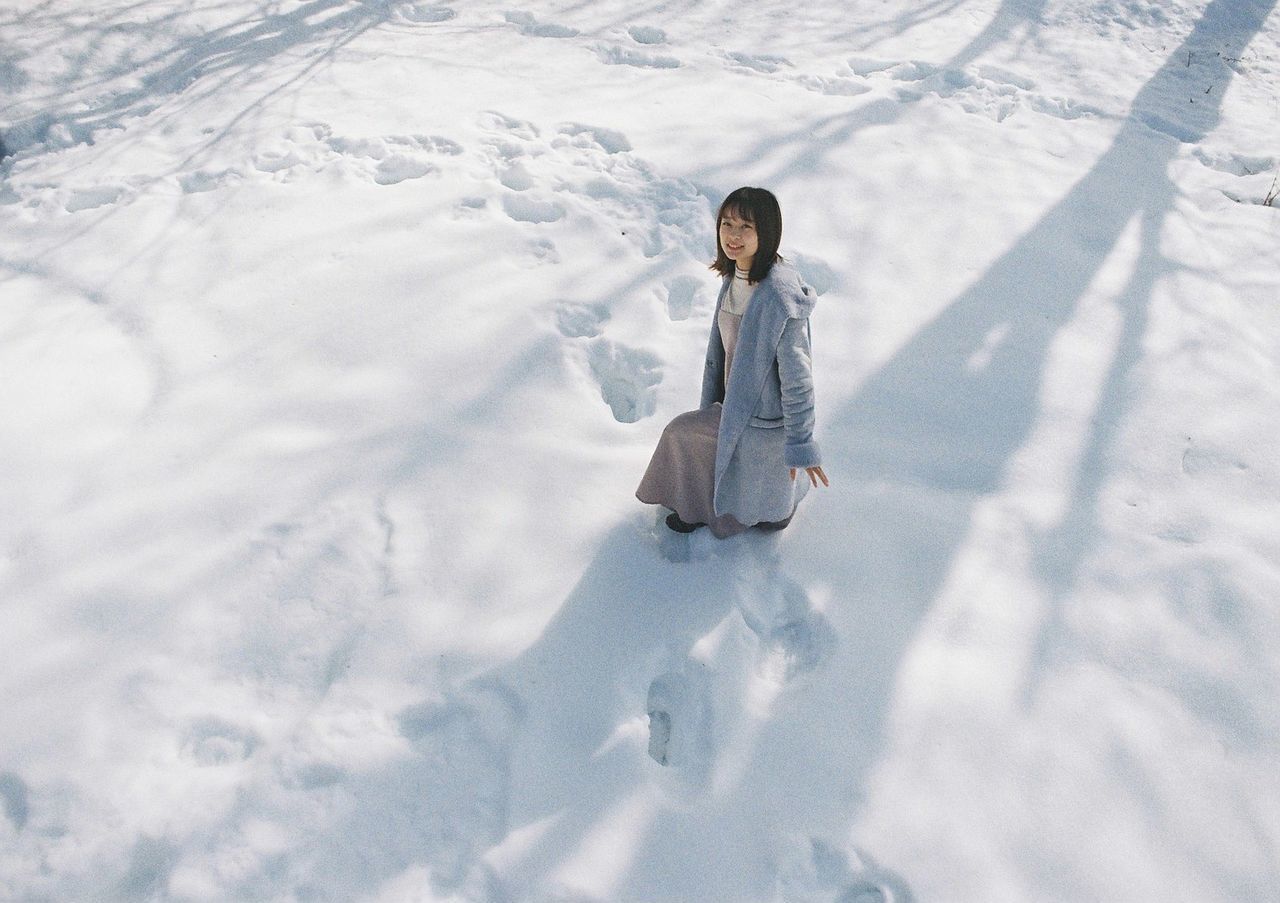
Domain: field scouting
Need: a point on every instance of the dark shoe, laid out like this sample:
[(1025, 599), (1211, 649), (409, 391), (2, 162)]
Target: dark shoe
[(679, 526), (772, 526)]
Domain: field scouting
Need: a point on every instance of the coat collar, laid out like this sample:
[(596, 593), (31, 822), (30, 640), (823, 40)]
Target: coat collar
[(782, 286)]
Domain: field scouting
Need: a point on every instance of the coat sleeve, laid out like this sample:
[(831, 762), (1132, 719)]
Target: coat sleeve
[(795, 373)]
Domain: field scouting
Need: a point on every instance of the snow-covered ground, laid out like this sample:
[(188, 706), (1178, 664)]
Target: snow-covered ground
[(335, 337)]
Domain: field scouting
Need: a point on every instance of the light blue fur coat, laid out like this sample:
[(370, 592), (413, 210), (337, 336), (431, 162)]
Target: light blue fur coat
[(766, 425)]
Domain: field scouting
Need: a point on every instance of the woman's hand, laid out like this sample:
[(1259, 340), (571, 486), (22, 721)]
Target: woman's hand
[(815, 474)]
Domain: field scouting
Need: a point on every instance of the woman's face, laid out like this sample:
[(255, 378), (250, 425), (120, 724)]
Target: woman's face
[(738, 239)]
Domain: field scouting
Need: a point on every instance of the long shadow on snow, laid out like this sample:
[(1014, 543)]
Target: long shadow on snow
[(1175, 104), (529, 741), (932, 431), (238, 48), (815, 141)]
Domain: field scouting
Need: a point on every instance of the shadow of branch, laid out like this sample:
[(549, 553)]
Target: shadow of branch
[(95, 93)]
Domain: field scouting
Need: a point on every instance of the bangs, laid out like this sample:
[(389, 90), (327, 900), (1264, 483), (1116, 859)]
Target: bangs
[(738, 211)]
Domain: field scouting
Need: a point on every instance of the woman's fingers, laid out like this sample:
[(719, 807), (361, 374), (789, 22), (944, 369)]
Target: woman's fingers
[(815, 474)]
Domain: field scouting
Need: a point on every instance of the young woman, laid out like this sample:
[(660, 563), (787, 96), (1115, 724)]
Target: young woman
[(732, 463)]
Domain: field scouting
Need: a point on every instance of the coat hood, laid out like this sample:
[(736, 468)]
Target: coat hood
[(797, 298)]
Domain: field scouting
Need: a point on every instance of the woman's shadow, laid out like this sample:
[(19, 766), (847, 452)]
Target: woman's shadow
[(637, 715)]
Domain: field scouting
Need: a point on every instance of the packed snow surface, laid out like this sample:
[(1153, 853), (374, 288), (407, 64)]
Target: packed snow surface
[(335, 337)]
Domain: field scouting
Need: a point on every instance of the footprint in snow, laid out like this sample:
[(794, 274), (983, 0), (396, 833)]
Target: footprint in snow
[(797, 646), (1235, 164), (16, 798), (860, 65), (516, 177), (911, 71), (151, 862), (543, 250), (316, 583), (278, 160), (680, 729), (524, 209), (439, 144), (425, 13), (973, 94), (530, 26), (1199, 459), (984, 90), (841, 84), (838, 86), (464, 742), (500, 122), (1063, 107), (1254, 191), (469, 206), (394, 158), (581, 320), (628, 379), (795, 638), (594, 136), (313, 147), (820, 872), (612, 55), (682, 295), (399, 167), (997, 75), (206, 180), (647, 34), (90, 198), (212, 741), (758, 62), (595, 164), (511, 143)]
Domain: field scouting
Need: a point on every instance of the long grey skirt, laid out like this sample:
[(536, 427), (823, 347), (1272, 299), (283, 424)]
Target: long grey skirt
[(681, 473)]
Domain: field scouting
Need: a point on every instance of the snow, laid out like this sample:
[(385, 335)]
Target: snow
[(336, 335)]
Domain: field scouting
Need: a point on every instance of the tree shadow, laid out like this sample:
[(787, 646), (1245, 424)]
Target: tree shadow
[(1009, 17), (938, 425), (543, 745), (1182, 103), (928, 435), (935, 429), (870, 33), (238, 51), (813, 141), (524, 768), (950, 409)]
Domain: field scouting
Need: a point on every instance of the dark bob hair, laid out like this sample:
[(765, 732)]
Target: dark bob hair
[(758, 206)]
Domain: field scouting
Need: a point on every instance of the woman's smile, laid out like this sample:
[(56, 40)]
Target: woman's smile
[(738, 239)]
